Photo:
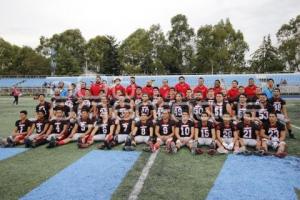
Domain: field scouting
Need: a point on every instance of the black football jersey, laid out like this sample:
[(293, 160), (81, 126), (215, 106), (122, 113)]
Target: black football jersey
[(46, 106), (274, 131), (104, 127), (83, 125), (226, 131), (262, 111), (165, 128), (277, 104), (22, 126), (179, 108), (247, 131), (145, 109), (58, 125), (219, 110), (40, 125), (198, 108), (121, 110), (143, 129), (185, 129), (125, 126), (205, 129)]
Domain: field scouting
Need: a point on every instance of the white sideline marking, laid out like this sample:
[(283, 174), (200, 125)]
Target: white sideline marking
[(139, 184), (296, 127)]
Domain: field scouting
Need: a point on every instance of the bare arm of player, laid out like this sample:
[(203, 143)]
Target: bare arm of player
[(132, 126), (173, 132), (30, 130), (177, 133), (15, 132), (90, 128), (49, 131), (208, 110), (196, 133), (229, 110), (219, 136), (111, 130), (191, 111), (118, 129), (151, 131), (213, 133), (110, 112), (134, 131), (284, 111), (263, 134), (157, 131), (235, 136), (154, 114), (282, 135), (74, 130), (192, 133), (63, 131), (258, 138), (94, 131)]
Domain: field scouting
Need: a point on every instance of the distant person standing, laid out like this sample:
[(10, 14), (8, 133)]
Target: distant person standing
[(268, 90), (15, 93)]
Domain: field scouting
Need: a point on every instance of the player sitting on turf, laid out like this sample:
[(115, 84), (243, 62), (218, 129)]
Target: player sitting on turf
[(22, 127), (184, 132), (40, 126), (103, 131), (227, 135), (143, 133), (57, 129), (124, 130), (205, 135), (280, 109), (273, 135), (82, 128), (249, 134), (165, 130)]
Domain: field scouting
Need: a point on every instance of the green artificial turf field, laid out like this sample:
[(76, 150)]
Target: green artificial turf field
[(180, 176)]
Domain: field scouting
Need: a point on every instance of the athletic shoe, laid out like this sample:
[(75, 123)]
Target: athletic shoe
[(101, 146), (28, 143), (247, 153), (291, 135), (259, 152), (2, 143), (173, 147), (211, 152), (52, 142), (280, 155), (147, 149), (222, 150), (128, 148), (10, 142), (199, 151)]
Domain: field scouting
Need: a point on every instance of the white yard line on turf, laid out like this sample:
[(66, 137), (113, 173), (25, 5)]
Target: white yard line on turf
[(139, 184), (296, 127)]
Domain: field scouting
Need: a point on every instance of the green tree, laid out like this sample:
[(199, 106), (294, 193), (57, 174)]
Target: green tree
[(135, 53), (180, 40), (70, 51), (102, 54), (266, 58), (289, 44), (220, 48)]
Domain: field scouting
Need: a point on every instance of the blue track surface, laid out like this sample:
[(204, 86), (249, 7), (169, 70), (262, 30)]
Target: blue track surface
[(9, 152), (263, 178), (94, 176)]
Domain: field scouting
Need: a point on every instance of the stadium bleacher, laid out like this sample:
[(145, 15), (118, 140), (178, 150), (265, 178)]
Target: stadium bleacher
[(291, 79)]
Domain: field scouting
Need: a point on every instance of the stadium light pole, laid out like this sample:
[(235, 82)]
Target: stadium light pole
[(53, 63)]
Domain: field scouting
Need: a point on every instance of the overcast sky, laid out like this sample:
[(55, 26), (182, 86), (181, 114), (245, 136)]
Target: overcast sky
[(22, 22)]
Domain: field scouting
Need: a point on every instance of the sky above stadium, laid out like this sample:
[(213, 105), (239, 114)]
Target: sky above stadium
[(22, 22)]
